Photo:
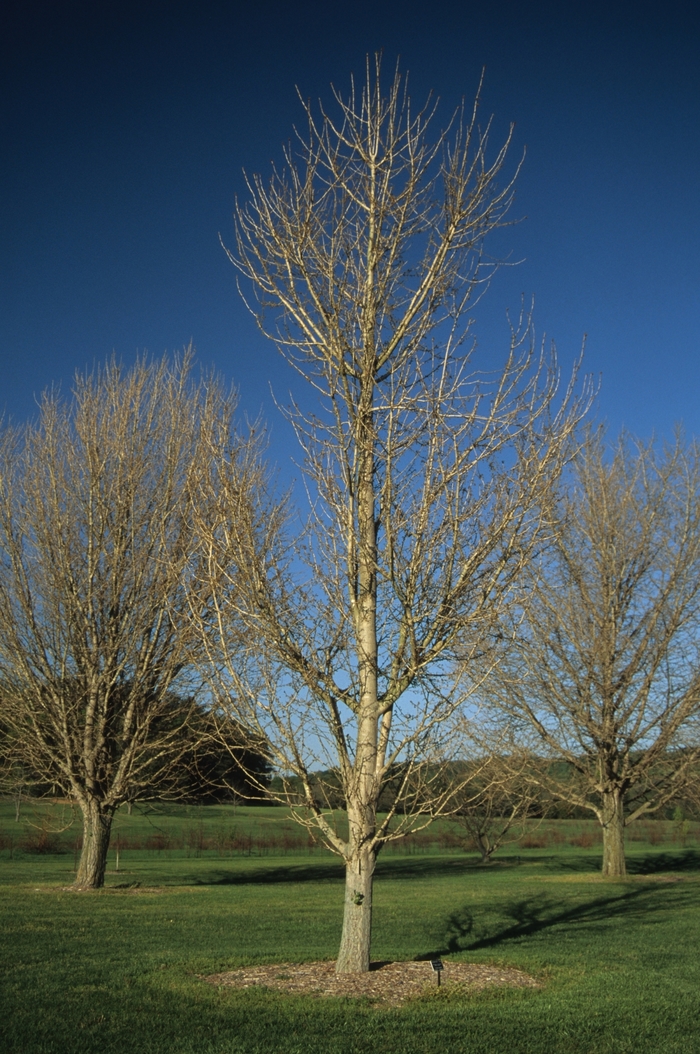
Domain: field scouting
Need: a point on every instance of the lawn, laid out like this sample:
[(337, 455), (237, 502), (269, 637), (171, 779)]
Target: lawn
[(117, 971)]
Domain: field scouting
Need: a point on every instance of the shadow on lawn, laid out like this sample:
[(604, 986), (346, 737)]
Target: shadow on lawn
[(653, 863), (320, 872), (333, 870), (437, 867), (531, 915), (656, 863)]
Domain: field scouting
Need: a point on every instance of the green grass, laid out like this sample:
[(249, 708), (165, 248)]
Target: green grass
[(116, 971)]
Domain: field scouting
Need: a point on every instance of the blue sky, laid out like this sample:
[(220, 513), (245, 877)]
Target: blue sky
[(125, 129)]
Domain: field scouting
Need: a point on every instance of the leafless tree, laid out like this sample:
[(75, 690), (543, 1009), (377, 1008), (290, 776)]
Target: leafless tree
[(603, 679), (96, 544), (13, 777), (498, 803), (424, 474)]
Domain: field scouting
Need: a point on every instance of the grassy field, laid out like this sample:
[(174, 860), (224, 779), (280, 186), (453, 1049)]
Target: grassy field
[(117, 971)]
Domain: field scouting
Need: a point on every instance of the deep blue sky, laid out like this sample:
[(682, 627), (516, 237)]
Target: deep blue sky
[(125, 128)]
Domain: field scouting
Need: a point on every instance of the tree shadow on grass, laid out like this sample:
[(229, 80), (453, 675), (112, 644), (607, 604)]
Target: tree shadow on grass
[(653, 863), (416, 867), (249, 876), (432, 867), (333, 870), (656, 863), (528, 916)]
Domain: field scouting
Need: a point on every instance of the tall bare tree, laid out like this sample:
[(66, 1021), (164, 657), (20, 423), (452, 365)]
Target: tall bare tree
[(423, 473), (604, 675), (96, 544)]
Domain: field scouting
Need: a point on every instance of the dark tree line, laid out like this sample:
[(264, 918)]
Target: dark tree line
[(217, 763)]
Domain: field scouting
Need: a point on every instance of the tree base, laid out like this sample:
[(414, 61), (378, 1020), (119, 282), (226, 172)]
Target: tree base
[(353, 956)]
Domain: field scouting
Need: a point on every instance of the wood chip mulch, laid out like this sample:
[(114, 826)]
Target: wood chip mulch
[(391, 983)]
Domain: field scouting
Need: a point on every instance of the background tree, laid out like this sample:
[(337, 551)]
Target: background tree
[(96, 542), (604, 672), (424, 475), (219, 761), (14, 779), (494, 805)]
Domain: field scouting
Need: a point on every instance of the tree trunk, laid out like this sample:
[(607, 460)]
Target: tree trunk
[(614, 834), (97, 824), (354, 953), (363, 791), (483, 844)]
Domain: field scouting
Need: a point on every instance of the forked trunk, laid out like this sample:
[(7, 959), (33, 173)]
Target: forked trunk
[(354, 953), (614, 835), (97, 825), (483, 844)]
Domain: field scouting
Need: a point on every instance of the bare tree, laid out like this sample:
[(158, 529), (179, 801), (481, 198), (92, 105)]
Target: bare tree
[(13, 775), (603, 679), (497, 804), (96, 544), (423, 474)]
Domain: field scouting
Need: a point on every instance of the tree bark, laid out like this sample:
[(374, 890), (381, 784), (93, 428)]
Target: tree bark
[(97, 825), (354, 954), (363, 792), (613, 834), (485, 848)]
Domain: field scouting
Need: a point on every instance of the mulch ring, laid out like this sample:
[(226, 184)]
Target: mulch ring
[(391, 983)]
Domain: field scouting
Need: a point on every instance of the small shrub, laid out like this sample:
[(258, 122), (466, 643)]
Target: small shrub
[(534, 841), (43, 843), (159, 842), (681, 827), (451, 840), (583, 841), (194, 838), (654, 832)]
